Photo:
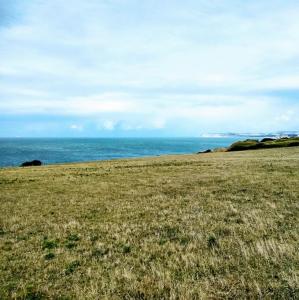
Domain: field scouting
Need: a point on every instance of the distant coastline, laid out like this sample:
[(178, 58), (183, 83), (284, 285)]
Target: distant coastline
[(254, 144), (253, 135)]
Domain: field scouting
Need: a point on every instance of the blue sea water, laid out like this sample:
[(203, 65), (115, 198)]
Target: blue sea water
[(14, 151)]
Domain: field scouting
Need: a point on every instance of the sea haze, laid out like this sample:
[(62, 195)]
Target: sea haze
[(14, 151)]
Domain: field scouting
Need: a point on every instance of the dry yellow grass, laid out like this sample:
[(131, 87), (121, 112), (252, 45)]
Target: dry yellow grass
[(210, 226)]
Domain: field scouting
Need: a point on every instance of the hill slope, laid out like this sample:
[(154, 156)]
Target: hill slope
[(264, 144), (220, 225)]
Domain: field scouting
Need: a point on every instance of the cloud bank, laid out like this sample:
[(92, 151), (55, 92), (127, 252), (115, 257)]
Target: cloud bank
[(148, 68)]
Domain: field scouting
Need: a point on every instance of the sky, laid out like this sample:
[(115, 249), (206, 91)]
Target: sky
[(131, 68)]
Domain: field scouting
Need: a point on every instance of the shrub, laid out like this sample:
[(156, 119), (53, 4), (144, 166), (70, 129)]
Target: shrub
[(72, 267), (49, 256), (73, 237), (48, 244), (212, 242)]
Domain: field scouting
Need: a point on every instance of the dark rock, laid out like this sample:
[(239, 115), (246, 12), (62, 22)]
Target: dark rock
[(31, 163), (206, 151)]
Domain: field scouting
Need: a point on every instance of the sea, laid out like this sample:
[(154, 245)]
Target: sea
[(14, 151)]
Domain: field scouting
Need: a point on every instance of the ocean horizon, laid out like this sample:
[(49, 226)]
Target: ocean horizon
[(15, 151)]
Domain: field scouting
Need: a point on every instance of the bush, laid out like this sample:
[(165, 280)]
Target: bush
[(72, 267), (49, 244), (49, 256)]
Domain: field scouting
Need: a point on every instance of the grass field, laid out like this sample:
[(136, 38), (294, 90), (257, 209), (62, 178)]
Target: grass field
[(207, 226)]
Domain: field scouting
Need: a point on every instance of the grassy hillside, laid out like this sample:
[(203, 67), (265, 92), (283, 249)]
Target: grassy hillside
[(210, 226), (268, 143)]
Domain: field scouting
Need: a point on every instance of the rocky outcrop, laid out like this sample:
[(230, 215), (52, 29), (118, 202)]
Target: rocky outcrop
[(31, 163)]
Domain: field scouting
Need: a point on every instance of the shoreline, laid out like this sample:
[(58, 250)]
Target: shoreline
[(16, 151), (150, 157), (237, 146)]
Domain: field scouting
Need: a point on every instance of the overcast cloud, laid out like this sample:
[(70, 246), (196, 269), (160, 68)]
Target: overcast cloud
[(148, 68)]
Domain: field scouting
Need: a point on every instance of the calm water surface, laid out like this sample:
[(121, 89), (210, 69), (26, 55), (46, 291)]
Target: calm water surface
[(14, 151)]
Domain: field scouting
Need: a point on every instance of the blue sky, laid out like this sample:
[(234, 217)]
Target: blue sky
[(148, 68)]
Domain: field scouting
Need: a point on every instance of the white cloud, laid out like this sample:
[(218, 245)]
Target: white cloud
[(286, 116), (77, 127), (109, 125), (205, 44), (89, 105), (158, 123)]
